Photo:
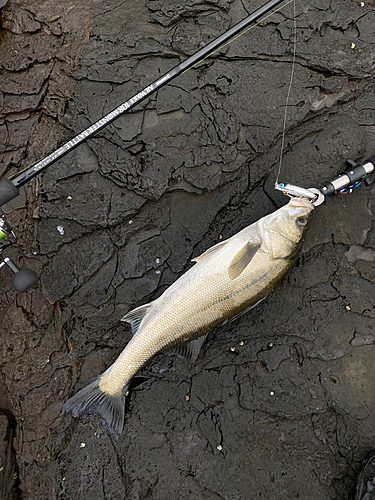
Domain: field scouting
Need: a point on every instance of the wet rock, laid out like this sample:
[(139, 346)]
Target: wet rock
[(280, 401)]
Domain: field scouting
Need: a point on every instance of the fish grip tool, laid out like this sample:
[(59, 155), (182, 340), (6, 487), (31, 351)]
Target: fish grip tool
[(350, 178), (344, 183)]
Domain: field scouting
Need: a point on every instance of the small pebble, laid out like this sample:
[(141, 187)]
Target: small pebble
[(241, 343), (219, 447), (353, 45), (157, 272), (157, 261), (69, 198), (270, 344), (1, 469), (232, 349), (60, 229), (187, 398), (347, 308), (82, 445), (130, 222), (272, 393), (362, 4), (220, 237)]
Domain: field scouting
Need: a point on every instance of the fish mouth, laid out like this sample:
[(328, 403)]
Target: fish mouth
[(302, 202)]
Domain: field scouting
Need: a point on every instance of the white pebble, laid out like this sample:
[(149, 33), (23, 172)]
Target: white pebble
[(353, 45), (272, 393), (130, 222), (60, 229), (82, 445)]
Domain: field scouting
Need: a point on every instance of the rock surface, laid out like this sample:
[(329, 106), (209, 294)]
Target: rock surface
[(280, 404)]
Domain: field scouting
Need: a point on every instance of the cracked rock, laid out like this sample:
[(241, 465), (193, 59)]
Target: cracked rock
[(280, 402)]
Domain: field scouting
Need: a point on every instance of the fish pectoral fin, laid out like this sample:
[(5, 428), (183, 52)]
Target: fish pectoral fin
[(210, 251), (242, 259), (135, 317), (190, 350)]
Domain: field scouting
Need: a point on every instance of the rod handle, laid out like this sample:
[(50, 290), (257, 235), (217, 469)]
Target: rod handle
[(8, 191)]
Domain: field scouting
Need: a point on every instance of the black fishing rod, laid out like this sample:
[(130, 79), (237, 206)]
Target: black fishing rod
[(9, 188)]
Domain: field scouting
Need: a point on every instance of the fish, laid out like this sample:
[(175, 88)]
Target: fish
[(227, 280)]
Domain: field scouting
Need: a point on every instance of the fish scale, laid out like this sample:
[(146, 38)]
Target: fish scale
[(227, 279)]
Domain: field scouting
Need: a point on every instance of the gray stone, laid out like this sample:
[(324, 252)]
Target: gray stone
[(280, 402)]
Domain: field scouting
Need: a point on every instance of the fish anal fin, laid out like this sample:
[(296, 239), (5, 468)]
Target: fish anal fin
[(242, 258), (210, 251), (135, 317), (190, 350)]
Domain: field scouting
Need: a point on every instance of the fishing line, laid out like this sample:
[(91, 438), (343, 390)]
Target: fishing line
[(209, 54), (242, 33), (289, 89), (9, 188)]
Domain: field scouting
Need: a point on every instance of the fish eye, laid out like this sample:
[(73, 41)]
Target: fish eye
[(302, 221)]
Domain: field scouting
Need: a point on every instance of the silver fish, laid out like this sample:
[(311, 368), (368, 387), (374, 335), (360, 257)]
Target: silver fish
[(229, 278)]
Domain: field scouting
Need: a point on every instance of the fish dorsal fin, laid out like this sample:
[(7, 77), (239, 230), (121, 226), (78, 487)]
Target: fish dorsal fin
[(242, 258), (136, 316), (210, 251), (190, 350)]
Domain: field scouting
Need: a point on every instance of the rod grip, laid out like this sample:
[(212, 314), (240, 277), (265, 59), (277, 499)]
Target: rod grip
[(8, 191)]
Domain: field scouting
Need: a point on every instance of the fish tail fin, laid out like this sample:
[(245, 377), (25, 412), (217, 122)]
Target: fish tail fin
[(92, 399)]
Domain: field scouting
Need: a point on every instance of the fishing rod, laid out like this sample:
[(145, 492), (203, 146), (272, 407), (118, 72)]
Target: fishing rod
[(9, 188), (22, 279)]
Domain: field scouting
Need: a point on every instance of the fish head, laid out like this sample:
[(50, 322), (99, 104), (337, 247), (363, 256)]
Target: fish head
[(282, 231)]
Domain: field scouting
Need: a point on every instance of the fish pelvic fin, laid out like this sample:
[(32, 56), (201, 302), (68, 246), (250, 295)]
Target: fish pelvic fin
[(242, 259), (92, 399)]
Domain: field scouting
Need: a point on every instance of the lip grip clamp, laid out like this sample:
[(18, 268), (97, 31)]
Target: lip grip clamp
[(351, 178)]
